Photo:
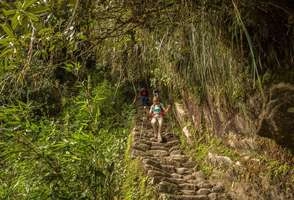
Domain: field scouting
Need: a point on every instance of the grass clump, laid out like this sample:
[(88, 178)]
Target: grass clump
[(75, 155)]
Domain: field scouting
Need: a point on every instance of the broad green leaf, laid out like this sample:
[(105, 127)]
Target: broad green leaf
[(46, 31), (6, 51), (14, 21), (82, 36), (8, 12), (51, 48), (19, 5), (7, 30), (69, 67), (39, 10), (5, 41), (28, 3), (32, 16)]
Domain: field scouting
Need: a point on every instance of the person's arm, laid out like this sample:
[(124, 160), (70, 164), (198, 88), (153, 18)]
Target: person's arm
[(165, 109), (168, 108)]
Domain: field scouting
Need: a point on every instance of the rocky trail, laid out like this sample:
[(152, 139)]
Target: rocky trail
[(172, 173)]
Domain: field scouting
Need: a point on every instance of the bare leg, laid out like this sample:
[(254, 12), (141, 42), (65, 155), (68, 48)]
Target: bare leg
[(153, 123), (160, 120)]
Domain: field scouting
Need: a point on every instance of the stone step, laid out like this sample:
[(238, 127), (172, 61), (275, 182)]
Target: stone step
[(152, 167), (174, 148), (175, 180), (158, 167), (175, 175), (138, 138), (181, 158), (188, 164), (169, 168), (136, 152), (156, 143), (188, 186), (167, 187), (153, 173), (157, 179), (171, 143), (186, 197), (218, 188), (158, 153), (176, 152), (203, 191), (188, 192), (184, 170), (168, 161), (204, 184), (189, 177), (148, 157), (199, 175), (144, 141), (151, 162), (141, 146), (175, 163), (159, 147), (170, 135)]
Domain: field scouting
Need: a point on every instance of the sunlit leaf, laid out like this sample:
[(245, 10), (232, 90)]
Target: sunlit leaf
[(39, 10), (8, 12), (6, 28), (5, 41), (32, 16), (28, 3), (5, 52), (14, 21)]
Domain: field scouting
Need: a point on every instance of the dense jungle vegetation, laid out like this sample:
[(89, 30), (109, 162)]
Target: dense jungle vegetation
[(70, 69)]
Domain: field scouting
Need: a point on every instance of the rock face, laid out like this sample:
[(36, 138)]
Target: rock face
[(277, 116), (171, 171), (271, 116), (219, 160)]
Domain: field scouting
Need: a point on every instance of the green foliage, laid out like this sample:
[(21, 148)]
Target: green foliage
[(62, 58), (252, 165), (276, 169), (203, 143), (73, 156)]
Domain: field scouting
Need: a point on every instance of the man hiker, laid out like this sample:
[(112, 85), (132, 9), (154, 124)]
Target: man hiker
[(144, 96)]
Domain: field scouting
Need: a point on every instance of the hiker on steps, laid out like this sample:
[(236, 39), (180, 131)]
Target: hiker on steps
[(144, 96), (157, 111)]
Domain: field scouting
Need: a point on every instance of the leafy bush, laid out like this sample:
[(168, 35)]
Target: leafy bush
[(73, 156)]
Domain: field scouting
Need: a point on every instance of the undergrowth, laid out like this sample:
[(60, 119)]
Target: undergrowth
[(75, 155), (256, 167)]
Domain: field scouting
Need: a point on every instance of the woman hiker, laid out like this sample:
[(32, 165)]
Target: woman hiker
[(157, 111)]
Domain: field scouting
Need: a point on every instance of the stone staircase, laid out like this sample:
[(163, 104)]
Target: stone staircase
[(172, 172)]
